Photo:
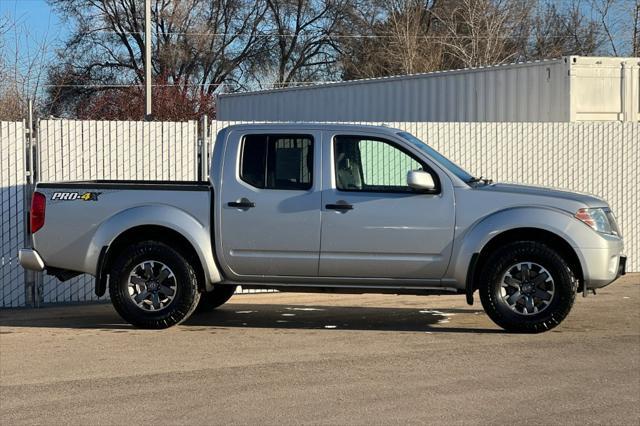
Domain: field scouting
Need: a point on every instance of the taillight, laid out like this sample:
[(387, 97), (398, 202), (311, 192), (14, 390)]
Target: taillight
[(38, 205)]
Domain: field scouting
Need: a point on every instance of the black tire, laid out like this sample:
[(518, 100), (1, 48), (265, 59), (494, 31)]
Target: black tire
[(210, 300), (183, 280), (496, 301)]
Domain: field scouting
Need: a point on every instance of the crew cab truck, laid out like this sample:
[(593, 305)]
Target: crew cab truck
[(325, 207)]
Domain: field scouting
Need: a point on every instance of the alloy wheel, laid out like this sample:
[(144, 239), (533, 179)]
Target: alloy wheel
[(527, 288), (152, 285)]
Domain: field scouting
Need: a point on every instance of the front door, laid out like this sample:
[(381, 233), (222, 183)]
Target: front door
[(373, 224), (270, 205)]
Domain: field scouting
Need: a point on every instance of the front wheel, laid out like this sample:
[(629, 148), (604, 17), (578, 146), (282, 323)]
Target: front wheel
[(527, 286), (152, 286)]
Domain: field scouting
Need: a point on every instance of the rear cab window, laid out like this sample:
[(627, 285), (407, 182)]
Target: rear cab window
[(277, 161)]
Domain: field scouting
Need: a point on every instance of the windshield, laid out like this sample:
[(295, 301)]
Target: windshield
[(441, 159)]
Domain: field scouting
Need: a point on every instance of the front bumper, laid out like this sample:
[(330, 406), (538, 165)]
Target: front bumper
[(30, 259), (603, 267), (603, 261)]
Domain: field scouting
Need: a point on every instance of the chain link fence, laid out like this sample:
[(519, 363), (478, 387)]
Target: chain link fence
[(600, 158), (12, 198)]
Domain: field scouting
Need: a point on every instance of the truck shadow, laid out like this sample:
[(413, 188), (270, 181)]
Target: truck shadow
[(313, 317), (102, 316)]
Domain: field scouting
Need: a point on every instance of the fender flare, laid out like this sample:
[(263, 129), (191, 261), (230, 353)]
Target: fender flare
[(549, 219), (196, 233)]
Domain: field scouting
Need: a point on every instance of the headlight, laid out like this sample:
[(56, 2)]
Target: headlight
[(600, 219)]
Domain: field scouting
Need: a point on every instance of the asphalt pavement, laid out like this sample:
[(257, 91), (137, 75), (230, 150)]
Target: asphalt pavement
[(292, 358)]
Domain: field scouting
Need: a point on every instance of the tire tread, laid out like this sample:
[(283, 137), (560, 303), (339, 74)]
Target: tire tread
[(175, 314), (566, 287)]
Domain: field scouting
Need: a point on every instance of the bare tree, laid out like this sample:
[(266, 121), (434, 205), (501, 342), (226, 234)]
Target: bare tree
[(303, 45), (199, 46), (603, 8), (391, 37), (408, 41), (22, 67), (484, 32), (618, 21), (557, 32)]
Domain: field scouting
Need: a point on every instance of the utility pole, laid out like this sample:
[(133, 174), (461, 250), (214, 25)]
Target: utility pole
[(636, 31), (147, 60)]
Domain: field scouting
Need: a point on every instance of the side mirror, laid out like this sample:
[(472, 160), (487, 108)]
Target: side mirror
[(419, 179)]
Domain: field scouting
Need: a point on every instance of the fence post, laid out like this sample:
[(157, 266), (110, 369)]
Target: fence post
[(32, 279), (203, 147)]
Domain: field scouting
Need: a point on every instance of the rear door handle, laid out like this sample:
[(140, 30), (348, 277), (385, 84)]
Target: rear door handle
[(242, 204), (340, 207)]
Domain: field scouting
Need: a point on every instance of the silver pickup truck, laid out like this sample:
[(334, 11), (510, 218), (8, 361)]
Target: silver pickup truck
[(324, 207)]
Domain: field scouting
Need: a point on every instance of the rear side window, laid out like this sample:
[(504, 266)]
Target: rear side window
[(277, 161)]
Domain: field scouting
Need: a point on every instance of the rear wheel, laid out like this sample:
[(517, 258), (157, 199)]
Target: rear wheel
[(217, 297), (152, 286), (527, 286)]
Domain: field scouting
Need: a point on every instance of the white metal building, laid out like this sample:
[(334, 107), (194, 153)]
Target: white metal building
[(568, 89)]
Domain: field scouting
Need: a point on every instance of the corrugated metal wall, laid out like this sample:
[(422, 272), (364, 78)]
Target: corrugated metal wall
[(598, 158), (568, 89), (12, 227)]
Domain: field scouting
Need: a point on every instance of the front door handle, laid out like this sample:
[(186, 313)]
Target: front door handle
[(243, 204), (339, 207)]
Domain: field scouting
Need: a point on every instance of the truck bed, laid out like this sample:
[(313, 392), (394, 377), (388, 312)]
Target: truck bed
[(79, 214)]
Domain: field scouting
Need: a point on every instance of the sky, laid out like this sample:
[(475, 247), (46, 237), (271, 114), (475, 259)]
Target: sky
[(37, 12), (37, 24)]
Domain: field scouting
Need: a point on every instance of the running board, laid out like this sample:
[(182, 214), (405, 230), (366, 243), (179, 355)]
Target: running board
[(350, 289)]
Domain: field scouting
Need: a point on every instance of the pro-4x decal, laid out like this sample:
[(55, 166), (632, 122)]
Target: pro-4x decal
[(73, 196)]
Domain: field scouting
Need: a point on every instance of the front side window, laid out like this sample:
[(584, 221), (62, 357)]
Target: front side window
[(277, 161), (372, 165)]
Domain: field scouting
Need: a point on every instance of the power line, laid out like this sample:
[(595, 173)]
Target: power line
[(347, 36)]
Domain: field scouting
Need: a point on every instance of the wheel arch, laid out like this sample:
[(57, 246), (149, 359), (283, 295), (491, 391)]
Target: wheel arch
[(159, 233), (553, 240), (552, 226), (155, 222)]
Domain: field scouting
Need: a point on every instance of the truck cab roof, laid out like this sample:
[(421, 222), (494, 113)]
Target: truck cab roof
[(292, 126)]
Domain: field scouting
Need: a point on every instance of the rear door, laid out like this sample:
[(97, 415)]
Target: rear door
[(373, 224), (270, 205)]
